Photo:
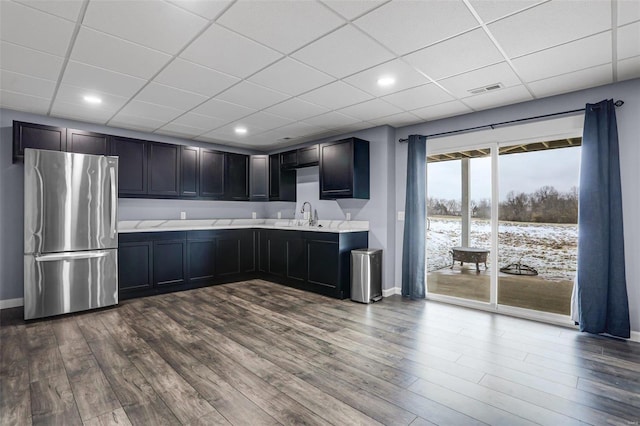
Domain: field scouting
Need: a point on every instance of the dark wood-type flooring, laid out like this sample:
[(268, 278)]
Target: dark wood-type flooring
[(258, 353)]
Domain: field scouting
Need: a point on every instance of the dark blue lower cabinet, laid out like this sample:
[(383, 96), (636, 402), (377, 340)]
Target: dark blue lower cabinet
[(159, 262)]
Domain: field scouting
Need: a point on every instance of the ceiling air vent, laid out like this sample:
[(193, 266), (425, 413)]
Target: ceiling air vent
[(488, 88)]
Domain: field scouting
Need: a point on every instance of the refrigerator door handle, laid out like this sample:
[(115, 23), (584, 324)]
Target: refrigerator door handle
[(114, 200), (71, 256)]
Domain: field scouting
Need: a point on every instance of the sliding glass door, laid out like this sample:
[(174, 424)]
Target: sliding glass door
[(502, 225)]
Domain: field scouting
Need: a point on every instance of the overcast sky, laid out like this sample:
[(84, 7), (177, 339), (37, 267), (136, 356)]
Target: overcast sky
[(523, 172)]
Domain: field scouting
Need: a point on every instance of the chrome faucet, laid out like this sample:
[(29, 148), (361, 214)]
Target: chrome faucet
[(311, 221)]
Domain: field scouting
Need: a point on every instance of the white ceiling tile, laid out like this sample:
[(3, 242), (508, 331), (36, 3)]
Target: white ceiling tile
[(28, 61), (331, 119), (198, 121), (447, 109), (159, 25), (115, 54), (148, 110), (628, 11), (75, 111), (264, 121), (550, 24), (222, 109), (26, 26), (296, 130), (281, 25), (251, 95), (370, 110), (405, 26), (352, 9), (94, 78), (459, 54), (21, 83), (429, 94), (142, 124), (170, 96), (195, 78), (174, 129), (397, 120), (227, 133), (206, 8), (22, 102), (573, 81), (296, 109), (75, 95), (343, 52), (225, 51), (629, 40), (507, 96), (290, 76), (405, 77), (629, 68), (68, 9), (336, 95), (460, 85), (490, 10), (577, 55)]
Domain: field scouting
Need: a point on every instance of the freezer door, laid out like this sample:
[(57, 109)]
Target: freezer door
[(60, 283), (70, 201)]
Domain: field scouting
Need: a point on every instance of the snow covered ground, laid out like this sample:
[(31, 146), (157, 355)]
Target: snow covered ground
[(548, 247)]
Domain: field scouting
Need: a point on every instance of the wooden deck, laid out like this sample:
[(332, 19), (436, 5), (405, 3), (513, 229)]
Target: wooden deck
[(521, 291), (257, 353)]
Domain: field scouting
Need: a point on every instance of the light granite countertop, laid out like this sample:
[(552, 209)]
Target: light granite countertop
[(335, 226)]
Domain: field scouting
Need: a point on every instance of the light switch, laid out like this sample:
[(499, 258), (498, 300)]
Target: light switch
[(401, 216)]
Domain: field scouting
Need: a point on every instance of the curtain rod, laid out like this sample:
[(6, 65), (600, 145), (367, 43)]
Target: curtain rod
[(504, 123)]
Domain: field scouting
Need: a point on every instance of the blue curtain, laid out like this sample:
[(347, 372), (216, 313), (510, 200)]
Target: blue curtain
[(603, 306), (415, 217)]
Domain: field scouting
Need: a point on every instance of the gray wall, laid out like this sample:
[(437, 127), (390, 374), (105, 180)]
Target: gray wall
[(628, 130)]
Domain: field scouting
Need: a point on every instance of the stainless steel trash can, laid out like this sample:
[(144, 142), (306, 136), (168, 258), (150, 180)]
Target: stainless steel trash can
[(366, 275)]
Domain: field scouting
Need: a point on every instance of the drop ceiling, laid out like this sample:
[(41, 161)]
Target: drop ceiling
[(294, 71)]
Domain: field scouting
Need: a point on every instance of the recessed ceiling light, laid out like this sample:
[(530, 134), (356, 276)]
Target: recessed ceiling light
[(92, 99), (241, 130), (386, 81)]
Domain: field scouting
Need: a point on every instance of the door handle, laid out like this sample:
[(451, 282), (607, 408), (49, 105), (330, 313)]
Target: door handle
[(114, 201), (71, 256)]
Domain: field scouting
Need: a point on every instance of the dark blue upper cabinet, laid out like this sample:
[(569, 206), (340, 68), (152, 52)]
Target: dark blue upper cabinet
[(237, 177), (84, 142), (344, 169), (164, 169), (212, 174), (189, 162), (259, 178), (132, 165), (37, 136)]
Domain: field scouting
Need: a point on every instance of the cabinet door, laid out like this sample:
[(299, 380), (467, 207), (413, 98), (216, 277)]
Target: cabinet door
[(201, 255), (134, 266), (277, 250), (228, 254), (189, 182), (274, 177), (86, 142), (248, 250), (296, 258), (336, 170), (237, 177), (308, 156), (289, 159), (259, 183), (323, 263), (282, 182), (164, 169), (132, 165), (212, 174), (169, 263), (37, 136)]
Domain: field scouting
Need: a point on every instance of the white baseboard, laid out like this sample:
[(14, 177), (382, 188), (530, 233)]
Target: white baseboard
[(391, 291), (11, 303), (635, 336)]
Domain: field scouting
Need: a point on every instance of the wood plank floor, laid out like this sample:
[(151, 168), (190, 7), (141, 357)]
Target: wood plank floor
[(254, 353)]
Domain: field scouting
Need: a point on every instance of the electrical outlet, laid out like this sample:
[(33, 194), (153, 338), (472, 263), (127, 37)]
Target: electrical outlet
[(279, 215), (183, 215), (401, 216), (348, 216), (254, 215)]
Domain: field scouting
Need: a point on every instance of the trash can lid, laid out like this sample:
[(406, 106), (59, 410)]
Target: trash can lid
[(366, 251)]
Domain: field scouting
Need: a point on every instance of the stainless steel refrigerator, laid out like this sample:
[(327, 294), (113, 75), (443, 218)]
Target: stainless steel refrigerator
[(70, 232)]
